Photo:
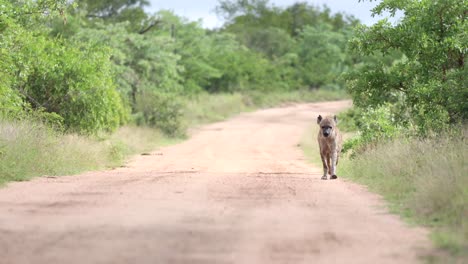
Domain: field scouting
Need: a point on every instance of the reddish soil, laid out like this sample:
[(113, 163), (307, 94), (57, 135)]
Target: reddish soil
[(238, 191)]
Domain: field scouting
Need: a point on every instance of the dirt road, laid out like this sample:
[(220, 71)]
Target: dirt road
[(238, 191)]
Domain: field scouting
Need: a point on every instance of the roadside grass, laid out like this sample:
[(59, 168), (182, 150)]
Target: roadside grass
[(258, 99), (205, 108), (424, 181), (29, 148)]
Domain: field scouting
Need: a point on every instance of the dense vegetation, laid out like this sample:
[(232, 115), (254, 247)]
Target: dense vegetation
[(95, 65), (423, 88)]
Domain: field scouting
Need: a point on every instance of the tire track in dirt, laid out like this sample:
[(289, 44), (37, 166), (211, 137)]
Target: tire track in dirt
[(237, 191)]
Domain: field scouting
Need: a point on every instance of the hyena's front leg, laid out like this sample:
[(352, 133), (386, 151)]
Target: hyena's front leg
[(333, 165), (325, 167)]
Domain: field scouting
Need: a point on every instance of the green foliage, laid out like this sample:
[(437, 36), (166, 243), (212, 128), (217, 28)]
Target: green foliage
[(161, 110), (304, 45), (321, 55), (10, 101), (349, 120), (73, 80), (375, 126), (429, 82), (55, 57), (140, 61), (241, 68), (231, 9), (116, 11), (194, 47), (272, 42)]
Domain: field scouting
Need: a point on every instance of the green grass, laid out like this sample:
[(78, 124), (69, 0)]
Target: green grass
[(425, 181)]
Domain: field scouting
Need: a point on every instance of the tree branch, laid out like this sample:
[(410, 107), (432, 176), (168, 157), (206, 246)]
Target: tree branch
[(149, 27)]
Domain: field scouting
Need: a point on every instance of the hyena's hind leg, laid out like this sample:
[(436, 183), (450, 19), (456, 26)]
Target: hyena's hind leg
[(325, 167)]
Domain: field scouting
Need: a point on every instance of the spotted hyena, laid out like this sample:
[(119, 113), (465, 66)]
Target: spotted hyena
[(330, 142)]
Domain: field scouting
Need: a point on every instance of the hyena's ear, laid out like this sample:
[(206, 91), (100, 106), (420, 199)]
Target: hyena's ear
[(336, 119), (319, 119)]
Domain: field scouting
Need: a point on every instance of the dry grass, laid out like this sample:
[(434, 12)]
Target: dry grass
[(206, 108), (426, 181), (29, 149)]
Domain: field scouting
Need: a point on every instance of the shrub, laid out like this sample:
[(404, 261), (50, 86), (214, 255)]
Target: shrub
[(375, 125), (74, 82), (71, 79), (10, 101), (430, 78), (164, 111)]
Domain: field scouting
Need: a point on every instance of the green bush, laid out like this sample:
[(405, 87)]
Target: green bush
[(375, 125), (429, 81), (72, 80), (349, 119), (164, 111), (10, 101)]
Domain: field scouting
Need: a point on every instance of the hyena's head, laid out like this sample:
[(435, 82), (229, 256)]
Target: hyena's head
[(327, 125)]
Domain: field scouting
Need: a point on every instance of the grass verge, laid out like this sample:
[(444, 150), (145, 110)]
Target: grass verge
[(29, 149), (424, 181)]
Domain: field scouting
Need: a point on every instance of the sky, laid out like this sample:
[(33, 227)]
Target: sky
[(204, 9)]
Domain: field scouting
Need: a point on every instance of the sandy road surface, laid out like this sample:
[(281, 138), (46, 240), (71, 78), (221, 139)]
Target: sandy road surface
[(237, 192)]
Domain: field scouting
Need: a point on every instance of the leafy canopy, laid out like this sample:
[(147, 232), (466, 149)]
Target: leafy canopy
[(430, 80)]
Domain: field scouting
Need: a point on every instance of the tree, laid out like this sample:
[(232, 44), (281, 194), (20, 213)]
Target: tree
[(430, 81), (305, 45), (321, 55), (110, 8), (231, 9), (44, 73), (116, 11)]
